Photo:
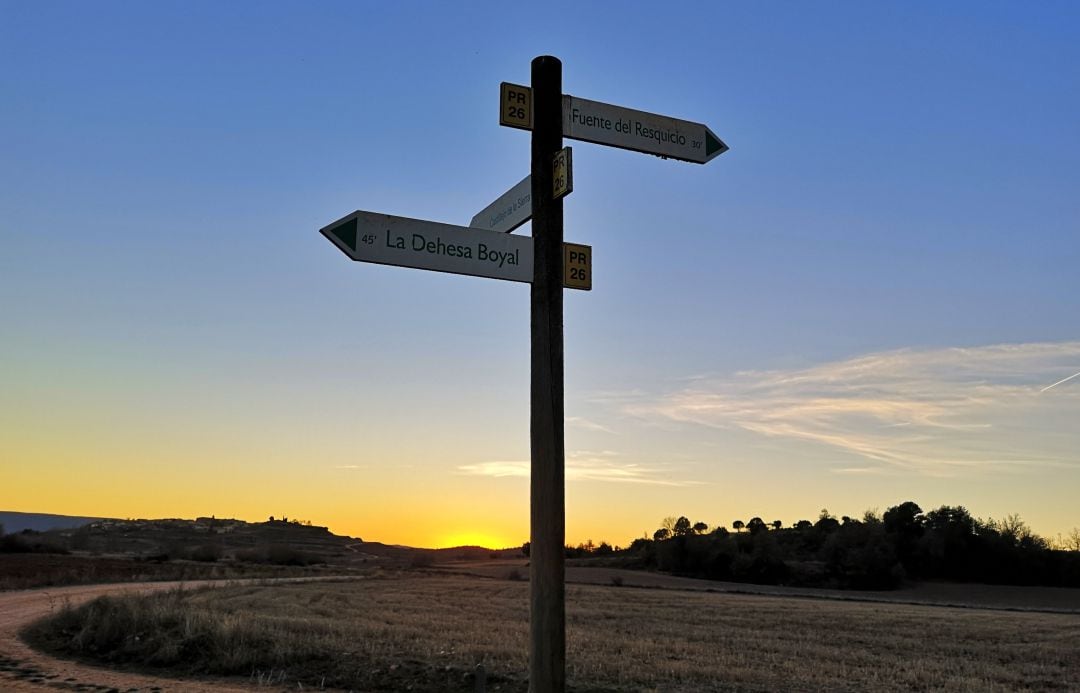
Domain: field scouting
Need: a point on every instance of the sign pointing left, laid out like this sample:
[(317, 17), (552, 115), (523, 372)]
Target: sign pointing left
[(511, 210), (405, 242), (514, 207)]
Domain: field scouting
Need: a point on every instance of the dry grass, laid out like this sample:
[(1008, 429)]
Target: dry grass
[(704, 642), (30, 570), (429, 632)]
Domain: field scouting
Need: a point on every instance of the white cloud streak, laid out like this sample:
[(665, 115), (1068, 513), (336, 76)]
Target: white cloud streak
[(587, 424), (938, 412), (585, 466)]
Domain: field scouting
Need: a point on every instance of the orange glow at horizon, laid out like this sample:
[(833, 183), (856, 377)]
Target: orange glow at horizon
[(488, 540)]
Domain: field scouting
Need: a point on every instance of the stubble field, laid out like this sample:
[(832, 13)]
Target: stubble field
[(429, 632)]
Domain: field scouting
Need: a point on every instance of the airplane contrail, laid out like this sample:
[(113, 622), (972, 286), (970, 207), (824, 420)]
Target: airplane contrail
[(1063, 380)]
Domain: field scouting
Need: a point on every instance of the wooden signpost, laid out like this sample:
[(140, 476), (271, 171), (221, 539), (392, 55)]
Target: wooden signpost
[(487, 248)]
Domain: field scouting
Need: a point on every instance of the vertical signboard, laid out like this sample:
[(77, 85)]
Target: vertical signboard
[(577, 266), (562, 173), (515, 106)]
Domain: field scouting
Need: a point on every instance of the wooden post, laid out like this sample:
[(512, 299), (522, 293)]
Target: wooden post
[(547, 613)]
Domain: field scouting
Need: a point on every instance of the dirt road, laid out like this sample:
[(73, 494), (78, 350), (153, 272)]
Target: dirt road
[(24, 669)]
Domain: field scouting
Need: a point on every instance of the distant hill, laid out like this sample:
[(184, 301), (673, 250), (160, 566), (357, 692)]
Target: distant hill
[(212, 538), (41, 522)]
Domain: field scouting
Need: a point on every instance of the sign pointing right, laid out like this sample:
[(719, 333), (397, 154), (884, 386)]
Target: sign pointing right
[(615, 126)]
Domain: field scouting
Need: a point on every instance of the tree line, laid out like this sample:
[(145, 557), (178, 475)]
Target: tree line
[(872, 552)]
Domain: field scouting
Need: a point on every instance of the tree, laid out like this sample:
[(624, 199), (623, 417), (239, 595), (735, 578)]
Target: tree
[(682, 527), (803, 524), (777, 524), (756, 524), (859, 557), (1072, 541), (700, 528), (525, 548), (1016, 531), (661, 534), (737, 525), (826, 522), (950, 544), (953, 520), (904, 524), (904, 519)]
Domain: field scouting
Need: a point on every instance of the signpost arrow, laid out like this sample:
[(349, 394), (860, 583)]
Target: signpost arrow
[(616, 126), (510, 211), (602, 123), (514, 207), (388, 240), (405, 242)]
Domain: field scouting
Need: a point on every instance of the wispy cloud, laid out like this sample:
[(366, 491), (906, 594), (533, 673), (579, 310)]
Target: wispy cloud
[(586, 466), (364, 467), (586, 424), (935, 412)]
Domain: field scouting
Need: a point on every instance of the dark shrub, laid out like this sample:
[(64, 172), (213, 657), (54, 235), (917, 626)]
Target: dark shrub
[(207, 553)]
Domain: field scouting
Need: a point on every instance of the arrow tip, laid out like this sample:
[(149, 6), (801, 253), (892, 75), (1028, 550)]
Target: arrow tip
[(345, 233), (714, 146)]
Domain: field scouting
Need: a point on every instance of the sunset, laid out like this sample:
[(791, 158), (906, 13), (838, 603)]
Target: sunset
[(829, 265)]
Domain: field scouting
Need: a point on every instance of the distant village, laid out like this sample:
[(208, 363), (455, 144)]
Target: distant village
[(209, 525)]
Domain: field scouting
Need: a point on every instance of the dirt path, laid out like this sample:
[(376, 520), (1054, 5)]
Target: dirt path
[(25, 669)]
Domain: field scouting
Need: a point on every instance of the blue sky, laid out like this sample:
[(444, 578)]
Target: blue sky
[(895, 229)]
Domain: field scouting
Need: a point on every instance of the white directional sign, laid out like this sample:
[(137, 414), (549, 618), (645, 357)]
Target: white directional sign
[(616, 126), (508, 212), (390, 240)]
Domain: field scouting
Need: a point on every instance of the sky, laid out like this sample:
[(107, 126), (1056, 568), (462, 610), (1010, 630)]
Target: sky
[(873, 297)]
